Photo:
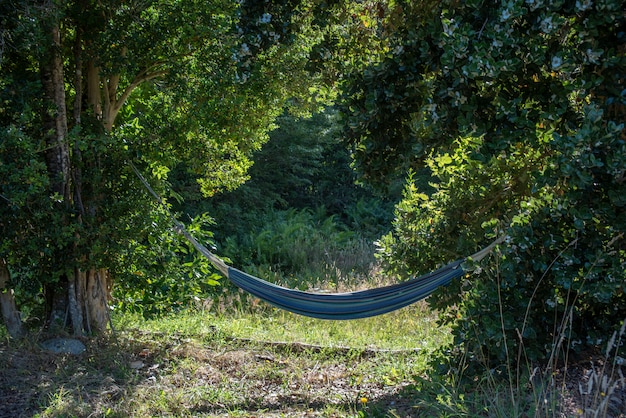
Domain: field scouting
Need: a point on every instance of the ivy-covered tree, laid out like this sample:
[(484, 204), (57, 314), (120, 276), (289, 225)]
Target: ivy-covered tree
[(516, 111), (87, 87)]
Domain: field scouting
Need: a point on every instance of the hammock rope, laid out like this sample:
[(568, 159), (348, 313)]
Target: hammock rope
[(335, 306)]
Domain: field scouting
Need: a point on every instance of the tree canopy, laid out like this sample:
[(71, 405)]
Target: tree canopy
[(496, 118), (89, 86)]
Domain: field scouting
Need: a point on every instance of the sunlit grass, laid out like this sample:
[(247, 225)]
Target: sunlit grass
[(268, 363), (411, 328), (247, 358)]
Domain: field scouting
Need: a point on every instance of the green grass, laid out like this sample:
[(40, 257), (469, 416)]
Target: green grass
[(298, 364), (412, 328), (234, 356), (247, 362), (256, 361)]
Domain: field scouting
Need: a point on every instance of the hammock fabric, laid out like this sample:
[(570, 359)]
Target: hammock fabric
[(337, 306), (343, 306)]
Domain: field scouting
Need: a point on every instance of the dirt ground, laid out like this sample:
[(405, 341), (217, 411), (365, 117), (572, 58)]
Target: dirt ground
[(143, 377)]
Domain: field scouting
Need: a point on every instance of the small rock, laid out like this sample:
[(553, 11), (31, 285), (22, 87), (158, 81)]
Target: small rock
[(136, 364), (64, 346)]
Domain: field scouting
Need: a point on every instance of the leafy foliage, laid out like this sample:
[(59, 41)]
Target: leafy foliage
[(156, 83), (164, 274), (303, 166), (301, 213), (516, 109)]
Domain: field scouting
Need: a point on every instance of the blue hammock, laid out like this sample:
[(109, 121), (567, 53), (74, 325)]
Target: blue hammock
[(351, 305), (338, 306)]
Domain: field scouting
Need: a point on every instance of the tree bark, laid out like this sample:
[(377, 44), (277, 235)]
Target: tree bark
[(55, 115), (10, 313), (94, 98), (97, 294), (74, 306), (57, 155), (83, 297)]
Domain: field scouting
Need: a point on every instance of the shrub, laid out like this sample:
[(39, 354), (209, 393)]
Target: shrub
[(516, 110)]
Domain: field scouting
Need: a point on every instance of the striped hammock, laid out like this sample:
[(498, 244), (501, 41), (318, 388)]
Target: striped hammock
[(337, 306), (340, 306), (352, 305)]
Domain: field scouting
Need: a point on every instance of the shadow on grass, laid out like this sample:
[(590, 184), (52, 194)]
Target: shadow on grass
[(148, 375), (143, 374), (36, 382)]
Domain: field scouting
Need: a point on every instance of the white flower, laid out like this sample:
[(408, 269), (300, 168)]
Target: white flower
[(449, 26), (583, 5), (534, 5), (275, 36), (266, 18), (546, 25), (242, 78), (432, 108), (593, 55), (459, 99)]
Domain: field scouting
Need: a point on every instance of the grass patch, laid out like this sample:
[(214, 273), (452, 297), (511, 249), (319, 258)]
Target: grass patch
[(212, 364), (266, 363), (408, 329)]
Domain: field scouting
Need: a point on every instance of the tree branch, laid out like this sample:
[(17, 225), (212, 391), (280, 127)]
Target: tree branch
[(132, 86)]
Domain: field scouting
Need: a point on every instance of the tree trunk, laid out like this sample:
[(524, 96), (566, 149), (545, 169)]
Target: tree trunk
[(97, 294), (75, 304), (7, 304), (55, 116), (82, 297), (93, 89), (57, 155)]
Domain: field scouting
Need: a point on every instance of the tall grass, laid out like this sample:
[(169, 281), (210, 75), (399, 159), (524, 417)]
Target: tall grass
[(591, 384)]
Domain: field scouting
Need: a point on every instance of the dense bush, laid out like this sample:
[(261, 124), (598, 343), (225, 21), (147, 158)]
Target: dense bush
[(164, 273), (517, 111)]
